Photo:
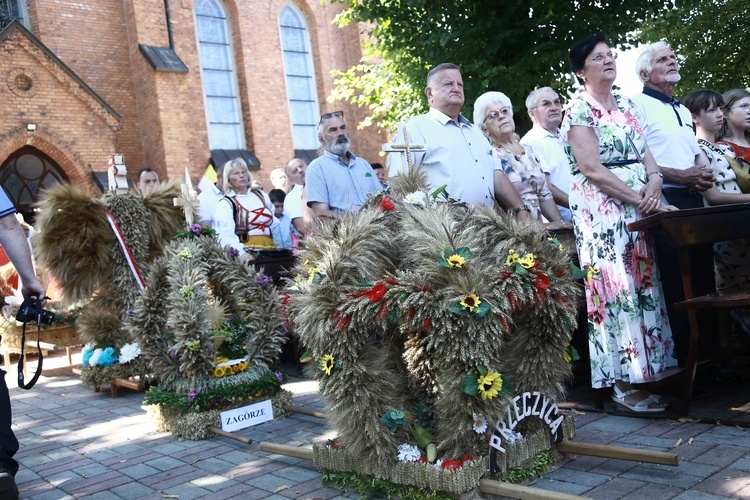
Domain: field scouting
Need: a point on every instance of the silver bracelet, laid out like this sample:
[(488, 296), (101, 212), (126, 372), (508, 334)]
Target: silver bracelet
[(655, 173)]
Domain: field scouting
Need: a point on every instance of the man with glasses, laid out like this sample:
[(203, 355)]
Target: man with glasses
[(668, 128), (337, 181), (543, 106), (457, 154)]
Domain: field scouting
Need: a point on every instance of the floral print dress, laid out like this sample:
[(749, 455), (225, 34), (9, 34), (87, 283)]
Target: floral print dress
[(731, 265), (525, 173), (629, 334)]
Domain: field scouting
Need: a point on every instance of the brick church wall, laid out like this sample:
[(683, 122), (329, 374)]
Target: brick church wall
[(162, 117)]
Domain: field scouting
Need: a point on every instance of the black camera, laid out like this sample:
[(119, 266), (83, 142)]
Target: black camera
[(31, 310)]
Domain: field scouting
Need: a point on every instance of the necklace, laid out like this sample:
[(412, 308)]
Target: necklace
[(516, 155)]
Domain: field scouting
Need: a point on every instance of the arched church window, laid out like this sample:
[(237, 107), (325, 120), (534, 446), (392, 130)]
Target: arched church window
[(13, 9), (24, 173), (219, 76), (300, 77)]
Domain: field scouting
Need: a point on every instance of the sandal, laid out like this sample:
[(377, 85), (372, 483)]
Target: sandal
[(642, 406)]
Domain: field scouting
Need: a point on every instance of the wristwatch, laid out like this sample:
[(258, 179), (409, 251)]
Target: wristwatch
[(522, 208)]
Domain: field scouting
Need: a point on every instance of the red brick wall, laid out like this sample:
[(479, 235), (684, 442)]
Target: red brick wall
[(163, 121)]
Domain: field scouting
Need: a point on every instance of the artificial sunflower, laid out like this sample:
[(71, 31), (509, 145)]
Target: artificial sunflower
[(327, 363), (489, 385), (456, 260), (527, 261), (470, 301), (512, 258)]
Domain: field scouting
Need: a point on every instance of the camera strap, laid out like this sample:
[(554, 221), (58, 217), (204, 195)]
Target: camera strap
[(20, 359)]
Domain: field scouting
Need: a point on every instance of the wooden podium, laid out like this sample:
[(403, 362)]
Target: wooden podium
[(689, 228)]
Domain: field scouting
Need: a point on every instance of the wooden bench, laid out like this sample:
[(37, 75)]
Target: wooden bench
[(685, 229)]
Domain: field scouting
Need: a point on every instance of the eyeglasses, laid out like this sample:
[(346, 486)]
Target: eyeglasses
[(326, 116), (744, 107), (547, 104), (494, 115), (601, 57)]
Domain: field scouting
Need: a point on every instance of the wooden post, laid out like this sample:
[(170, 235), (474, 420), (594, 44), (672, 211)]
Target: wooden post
[(518, 491), (222, 432), (290, 451), (294, 409), (605, 451)]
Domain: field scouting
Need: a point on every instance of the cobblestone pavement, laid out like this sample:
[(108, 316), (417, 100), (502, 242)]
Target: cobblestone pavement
[(76, 443)]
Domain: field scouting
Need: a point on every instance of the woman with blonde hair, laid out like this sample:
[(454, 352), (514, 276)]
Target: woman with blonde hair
[(244, 217)]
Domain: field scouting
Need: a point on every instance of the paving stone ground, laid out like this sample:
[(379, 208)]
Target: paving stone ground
[(76, 443)]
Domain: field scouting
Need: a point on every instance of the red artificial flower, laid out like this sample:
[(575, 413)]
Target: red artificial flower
[(387, 204), (376, 293), (422, 460), (541, 282), (451, 464), (335, 314), (467, 458)]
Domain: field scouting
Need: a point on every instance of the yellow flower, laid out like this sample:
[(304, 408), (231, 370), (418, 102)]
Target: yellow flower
[(527, 261), (327, 363), (219, 371), (470, 301), (591, 272), (490, 385), (220, 359), (512, 258), (566, 356), (456, 260)]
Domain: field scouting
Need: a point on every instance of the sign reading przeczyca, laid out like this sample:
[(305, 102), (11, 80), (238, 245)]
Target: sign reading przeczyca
[(247, 416)]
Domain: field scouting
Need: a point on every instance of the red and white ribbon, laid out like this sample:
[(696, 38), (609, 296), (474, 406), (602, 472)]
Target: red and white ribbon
[(126, 250)]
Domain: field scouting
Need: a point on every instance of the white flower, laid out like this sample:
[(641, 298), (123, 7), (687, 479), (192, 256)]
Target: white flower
[(480, 426), (408, 453), (129, 352), (513, 437), (438, 464), (94, 359), (416, 198)]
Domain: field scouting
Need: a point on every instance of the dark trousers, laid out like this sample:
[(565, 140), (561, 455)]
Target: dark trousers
[(671, 274), (8, 441)]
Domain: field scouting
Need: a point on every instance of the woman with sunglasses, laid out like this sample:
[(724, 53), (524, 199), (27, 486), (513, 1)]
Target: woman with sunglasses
[(615, 181), (493, 113), (736, 129)]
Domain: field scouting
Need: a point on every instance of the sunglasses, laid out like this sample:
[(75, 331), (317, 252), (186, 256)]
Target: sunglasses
[(326, 116)]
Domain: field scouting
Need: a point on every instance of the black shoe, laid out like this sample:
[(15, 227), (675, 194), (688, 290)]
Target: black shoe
[(8, 488)]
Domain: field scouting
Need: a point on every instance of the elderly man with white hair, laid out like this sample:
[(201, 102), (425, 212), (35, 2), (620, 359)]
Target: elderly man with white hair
[(668, 127), (545, 110)]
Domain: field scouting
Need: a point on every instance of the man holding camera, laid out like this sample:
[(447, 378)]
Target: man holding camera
[(13, 240)]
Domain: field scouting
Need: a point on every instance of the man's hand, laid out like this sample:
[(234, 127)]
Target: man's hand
[(698, 177), (35, 289)]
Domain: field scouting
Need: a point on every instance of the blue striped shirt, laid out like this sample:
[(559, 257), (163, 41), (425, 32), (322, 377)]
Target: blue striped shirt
[(343, 187)]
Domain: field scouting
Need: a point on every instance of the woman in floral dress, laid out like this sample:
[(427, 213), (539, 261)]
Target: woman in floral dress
[(615, 181)]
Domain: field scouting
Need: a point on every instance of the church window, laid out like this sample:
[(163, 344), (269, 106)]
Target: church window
[(300, 78), (13, 9), (219, 76)]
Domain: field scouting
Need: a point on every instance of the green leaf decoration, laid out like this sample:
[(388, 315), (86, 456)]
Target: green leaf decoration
[(576, 272), (393, 419), (482, 370), (457, 308), (519, 269), (483, 308), (573, 353), (421, 435), (438, 191), (507, 388), (464, 252), (469, 384)]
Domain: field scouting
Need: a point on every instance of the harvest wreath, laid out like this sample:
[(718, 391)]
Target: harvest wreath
[(431, 323), (209, 326)]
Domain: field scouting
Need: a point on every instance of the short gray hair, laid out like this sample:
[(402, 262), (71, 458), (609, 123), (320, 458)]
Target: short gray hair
[(643, 63), (486, 100), (532, 101), (440, 67), (321, 125)]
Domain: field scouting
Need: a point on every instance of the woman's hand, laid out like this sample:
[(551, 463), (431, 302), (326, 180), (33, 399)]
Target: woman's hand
[(651, 193), (667, 208), (558, 225), (246, 257)]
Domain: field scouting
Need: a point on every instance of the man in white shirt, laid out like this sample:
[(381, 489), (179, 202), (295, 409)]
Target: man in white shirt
[(293, 206), (668, 127), (545, 110), (209, 198), (457, 154)]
